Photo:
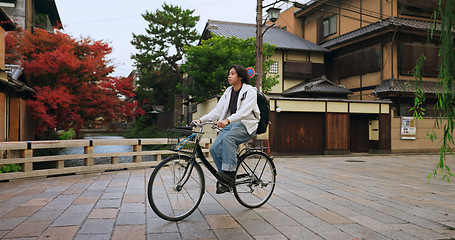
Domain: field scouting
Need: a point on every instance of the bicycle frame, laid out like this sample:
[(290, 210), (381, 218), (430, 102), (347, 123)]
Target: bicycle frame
[(197, 153)]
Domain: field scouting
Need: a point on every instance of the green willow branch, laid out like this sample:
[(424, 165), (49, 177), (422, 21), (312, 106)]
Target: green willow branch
[(443, 16)]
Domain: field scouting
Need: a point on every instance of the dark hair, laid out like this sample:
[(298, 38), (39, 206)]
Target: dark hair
[(241, 72)]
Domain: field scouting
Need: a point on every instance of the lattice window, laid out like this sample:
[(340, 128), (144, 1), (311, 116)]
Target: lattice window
[(274, 68)]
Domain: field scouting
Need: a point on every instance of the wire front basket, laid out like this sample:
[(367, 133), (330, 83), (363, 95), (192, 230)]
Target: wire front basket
[(181, 140)]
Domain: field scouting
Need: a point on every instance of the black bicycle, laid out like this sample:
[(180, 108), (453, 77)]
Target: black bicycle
[(177, 184)]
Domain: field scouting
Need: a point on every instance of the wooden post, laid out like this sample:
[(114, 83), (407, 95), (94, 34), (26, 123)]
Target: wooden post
[(207, 146), (137, 148), (88, 161), (114, 160), (60, 164), (27, 153)]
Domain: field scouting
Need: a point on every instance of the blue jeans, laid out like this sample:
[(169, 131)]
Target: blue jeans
[(224, 149)]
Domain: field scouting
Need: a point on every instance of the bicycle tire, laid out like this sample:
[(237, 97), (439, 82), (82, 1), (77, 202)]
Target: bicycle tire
[(168, 199), (255, 179)]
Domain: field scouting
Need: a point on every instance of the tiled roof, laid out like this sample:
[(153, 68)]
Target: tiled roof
[(392, 23), (5, 21), (319, 85), (274, 35), (14, 72), (404, 86)]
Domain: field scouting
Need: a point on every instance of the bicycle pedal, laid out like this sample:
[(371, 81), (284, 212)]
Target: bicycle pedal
[(222, 187)]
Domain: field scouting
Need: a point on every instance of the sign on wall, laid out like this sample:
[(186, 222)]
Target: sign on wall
[(408, 128)]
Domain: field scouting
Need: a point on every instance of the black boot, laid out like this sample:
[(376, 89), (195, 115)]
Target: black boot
[(227, 177), (226, 182)]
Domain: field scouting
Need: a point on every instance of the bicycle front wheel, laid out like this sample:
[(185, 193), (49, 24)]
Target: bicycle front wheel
[(176, 187), (255, 179)]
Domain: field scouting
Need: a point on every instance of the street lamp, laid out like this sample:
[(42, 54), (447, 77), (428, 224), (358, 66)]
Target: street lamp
[(273, 13), (273, 16)]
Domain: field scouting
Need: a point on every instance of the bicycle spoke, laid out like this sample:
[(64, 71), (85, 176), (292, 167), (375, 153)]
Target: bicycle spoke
[(255, 179), (175, 188)]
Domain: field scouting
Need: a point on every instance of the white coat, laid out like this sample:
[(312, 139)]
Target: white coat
[(246, 105)]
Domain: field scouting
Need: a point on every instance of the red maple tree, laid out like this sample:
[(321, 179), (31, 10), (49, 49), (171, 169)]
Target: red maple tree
[(72, 79)]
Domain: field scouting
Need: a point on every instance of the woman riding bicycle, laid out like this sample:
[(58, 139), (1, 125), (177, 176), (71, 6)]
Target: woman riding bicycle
[(236, 113)]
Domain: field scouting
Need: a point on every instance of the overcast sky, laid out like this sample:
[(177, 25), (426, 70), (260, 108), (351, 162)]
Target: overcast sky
[(114, 21)]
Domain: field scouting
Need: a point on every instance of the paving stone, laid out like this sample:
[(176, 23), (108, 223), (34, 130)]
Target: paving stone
[(74, 191), (97, 226), (278, 219), (93, 192), (10, 223), (164, 236), (323, 229), (58, 233), (103, 213), (133, 198), (42, 216), (231, 233), (417, 231), (69, 219), (258, 227), (132, 207), (331, 217), (37, 202), (22, 211), (28, 229), (270, 237), (360, 232), (114, 189), (80, 208), (158, 225), (129, 232), (316, 197), (211, 209), (371, 223), (398, 235), (130, 218), (81, 236), (193, 233), (221, 221), (298, 232), (112, 196), (6, 196), (110, 203), (3, 233), (86, 200)]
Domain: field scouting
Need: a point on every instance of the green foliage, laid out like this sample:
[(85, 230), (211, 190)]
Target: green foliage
[(68, 135), (170, 28), (168, 32), (209, 61), (10, 168), (143, 129), (157, 87), (443, 17)]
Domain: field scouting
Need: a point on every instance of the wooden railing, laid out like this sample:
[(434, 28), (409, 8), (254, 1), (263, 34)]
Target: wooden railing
[(26, 159)]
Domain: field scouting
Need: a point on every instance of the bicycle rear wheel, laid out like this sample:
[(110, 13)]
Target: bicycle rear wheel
[(255, 179), (176, 187)]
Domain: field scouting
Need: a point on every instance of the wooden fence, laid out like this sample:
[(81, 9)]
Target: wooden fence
[(27, 159)]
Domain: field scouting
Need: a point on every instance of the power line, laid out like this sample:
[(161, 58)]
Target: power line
[(104, 20)]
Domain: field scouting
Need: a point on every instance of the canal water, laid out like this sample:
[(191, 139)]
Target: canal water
[(101, 149)]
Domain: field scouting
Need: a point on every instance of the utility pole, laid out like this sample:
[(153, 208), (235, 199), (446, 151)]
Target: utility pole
[(29, 15), (259, 45)]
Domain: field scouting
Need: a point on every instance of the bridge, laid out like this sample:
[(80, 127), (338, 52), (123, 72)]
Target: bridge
[(316, 197), (26, 157)]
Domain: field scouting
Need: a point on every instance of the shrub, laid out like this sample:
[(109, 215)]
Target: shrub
[(10, 168)]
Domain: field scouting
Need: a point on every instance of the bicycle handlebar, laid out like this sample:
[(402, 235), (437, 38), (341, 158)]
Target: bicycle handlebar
[(201, 125)]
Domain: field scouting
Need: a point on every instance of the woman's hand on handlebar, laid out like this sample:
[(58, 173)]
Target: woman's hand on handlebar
[(223, 123), (194, 123)]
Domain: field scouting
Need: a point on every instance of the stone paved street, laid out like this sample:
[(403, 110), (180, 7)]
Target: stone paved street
[(316, 197)]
